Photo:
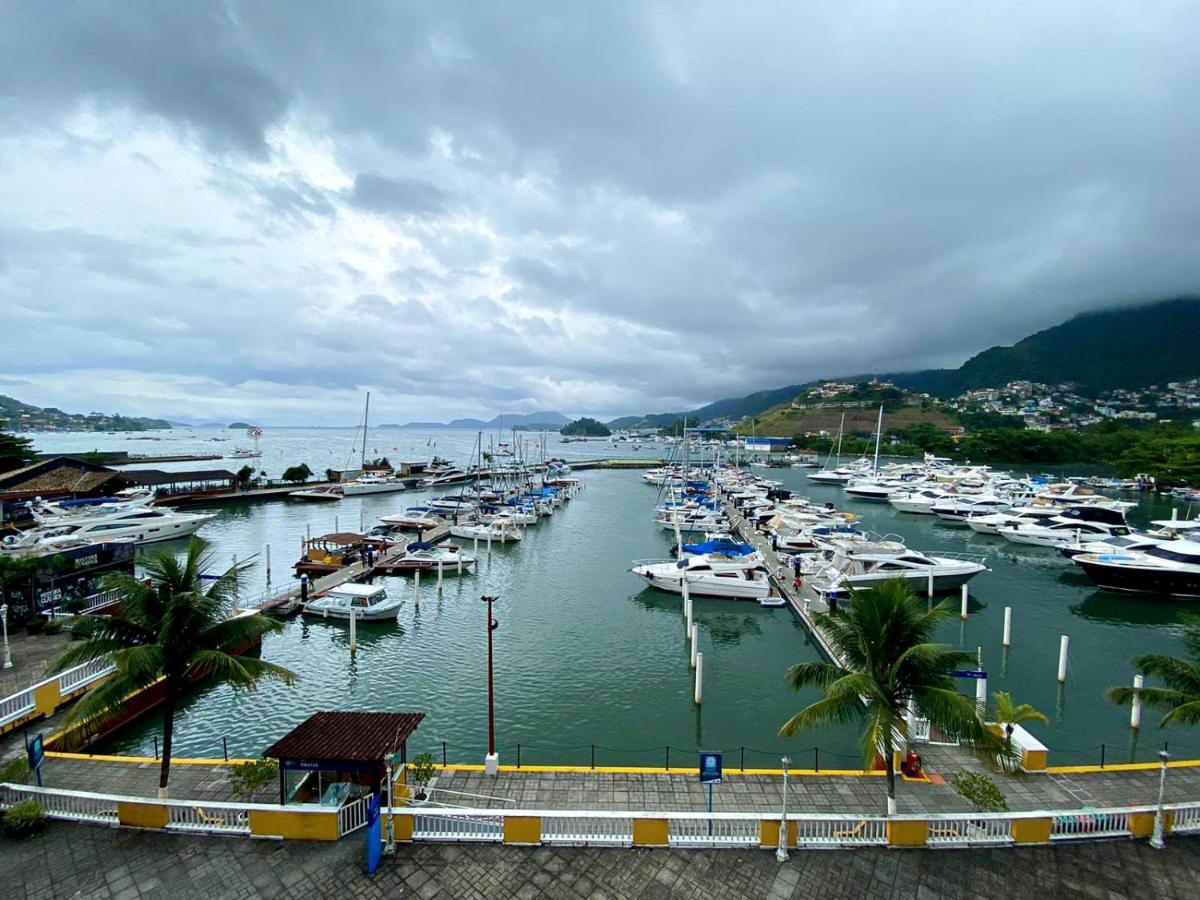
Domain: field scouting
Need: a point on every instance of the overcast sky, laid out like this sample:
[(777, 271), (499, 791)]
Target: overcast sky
[(263, 209)]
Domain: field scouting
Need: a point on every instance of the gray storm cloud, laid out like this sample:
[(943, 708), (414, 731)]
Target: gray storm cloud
[(602, 208)]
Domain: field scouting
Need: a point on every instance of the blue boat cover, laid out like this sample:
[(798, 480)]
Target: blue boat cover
[(729, 548), (419, 545)]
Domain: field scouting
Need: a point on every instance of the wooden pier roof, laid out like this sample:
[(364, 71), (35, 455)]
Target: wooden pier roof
[(346, 736)]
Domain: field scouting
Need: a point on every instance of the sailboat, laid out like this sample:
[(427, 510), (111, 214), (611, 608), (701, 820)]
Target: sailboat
[(838, 474), (370, 482)]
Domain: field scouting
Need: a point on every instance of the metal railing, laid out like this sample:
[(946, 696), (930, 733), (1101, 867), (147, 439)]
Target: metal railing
[(616, 828), (83, 674), (22, 702), (17, 705), (353, 816)]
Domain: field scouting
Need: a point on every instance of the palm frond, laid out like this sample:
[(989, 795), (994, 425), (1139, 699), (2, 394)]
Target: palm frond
[(1184, 714), (812, 674), (239, 671), (1154, 697), (1177, 673)]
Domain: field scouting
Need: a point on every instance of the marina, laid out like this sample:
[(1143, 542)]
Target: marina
[(575, 625)]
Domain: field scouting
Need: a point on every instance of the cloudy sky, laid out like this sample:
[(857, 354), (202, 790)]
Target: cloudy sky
[(263, 209)]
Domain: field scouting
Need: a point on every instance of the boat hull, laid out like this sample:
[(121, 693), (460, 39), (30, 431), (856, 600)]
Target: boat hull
[(1142, 580)]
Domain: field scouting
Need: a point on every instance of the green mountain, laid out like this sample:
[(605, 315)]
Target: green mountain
[(1128, 347), (731, 408), (23, 417)]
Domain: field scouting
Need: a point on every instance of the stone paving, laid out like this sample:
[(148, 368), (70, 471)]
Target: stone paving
[(85, 861), (31, 656)]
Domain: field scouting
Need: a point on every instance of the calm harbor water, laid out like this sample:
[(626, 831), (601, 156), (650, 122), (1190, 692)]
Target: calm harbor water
[(585, 655)]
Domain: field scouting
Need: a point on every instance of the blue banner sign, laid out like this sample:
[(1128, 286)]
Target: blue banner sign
[(710, 767), (374, 835), (968, 673)]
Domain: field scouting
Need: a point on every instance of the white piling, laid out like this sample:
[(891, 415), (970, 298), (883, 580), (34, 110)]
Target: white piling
[(930, 586), (489, 542), (439, 586), (695, 636), (981, 696), (459, 559), (678, 541), (1062, 659), (1174, 513), (417, 587), (964, 603), (268, 554), (362, 521), (699, 677), (336, 526), (353, 631), (687, 604), (477, 546), (1135, 709), (1007, 640)]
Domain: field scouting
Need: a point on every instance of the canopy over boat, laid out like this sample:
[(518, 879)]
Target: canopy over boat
[(726, 548)]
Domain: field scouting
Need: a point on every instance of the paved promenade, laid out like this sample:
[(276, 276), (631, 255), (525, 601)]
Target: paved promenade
[(681, 791), (84, 861)]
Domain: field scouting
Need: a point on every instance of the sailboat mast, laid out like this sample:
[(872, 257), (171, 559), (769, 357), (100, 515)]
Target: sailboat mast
[(366, 417), (841, 431), (878, 435)]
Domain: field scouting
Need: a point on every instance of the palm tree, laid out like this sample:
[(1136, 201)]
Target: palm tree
[(884, 637), (171, 627), (1009, 714), (1181, 695)]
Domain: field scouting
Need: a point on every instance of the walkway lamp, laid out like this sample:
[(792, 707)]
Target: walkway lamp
[(4, 622), (1156, 839), (491, 763), (781, 852)]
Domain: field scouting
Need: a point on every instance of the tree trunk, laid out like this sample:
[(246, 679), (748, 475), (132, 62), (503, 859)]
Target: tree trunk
[(168, 734), (890, 762)]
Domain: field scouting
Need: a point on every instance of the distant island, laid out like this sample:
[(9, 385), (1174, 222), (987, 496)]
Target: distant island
[(586, 427), (240, 425), (24, 417), (549, 421)]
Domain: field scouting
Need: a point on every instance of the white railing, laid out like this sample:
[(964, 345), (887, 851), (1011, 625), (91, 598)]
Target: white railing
[(840, 831), (219, 818), (573, 829), (920, 731), (17, 705), (74, 806), (353, 816), (78, 676), (455, 827), (955, 830), (1093, 823), (713, 832), (1187, 818)]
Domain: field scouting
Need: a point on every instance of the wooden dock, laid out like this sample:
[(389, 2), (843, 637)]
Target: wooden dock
[(205, 498), (359, 571), (782, 579)]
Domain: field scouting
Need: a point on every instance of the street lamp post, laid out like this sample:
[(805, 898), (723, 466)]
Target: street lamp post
[(781, 852), (4, 621), (1156, 839), (491, 763)]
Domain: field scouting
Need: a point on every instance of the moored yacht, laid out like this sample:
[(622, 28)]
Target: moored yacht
[(366, 602), (1172, 568), (708, 575)]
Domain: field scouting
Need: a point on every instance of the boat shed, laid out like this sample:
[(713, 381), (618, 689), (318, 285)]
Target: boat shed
[(333, 757), (62, 476), (196, 481)]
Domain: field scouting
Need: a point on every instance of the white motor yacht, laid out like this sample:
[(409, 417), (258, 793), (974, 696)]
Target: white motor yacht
[(863, 564), (373, 484), (990, 523), (1171, 569), (330, 493), (499, 530), (708, 575), (415, 518), (366, 602), (918, 502), (445, 477), (957, 509), (141, 525), (1070, 526)]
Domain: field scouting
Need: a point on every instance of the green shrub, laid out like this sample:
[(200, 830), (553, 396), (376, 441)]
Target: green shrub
[(981, 791), (36, 625), (80, 629), (74, 605), (246, 778), (54, 627), (24, 818), (15, 771), (420, 771)]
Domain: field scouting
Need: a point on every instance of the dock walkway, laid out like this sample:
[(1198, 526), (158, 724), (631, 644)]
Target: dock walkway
[(381, 564)]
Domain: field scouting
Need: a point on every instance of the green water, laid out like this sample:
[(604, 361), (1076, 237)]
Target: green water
[(585, 655)]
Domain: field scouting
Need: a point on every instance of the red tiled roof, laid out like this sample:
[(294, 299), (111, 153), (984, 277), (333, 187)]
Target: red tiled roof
[(349, 736)]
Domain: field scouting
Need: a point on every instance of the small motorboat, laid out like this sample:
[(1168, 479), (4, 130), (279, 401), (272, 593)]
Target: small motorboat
[(366, 602), (327, 494)]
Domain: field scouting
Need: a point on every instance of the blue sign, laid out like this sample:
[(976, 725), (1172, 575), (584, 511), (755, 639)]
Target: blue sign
[(710, 767), (374, 835), (36, 751), (968, 673)]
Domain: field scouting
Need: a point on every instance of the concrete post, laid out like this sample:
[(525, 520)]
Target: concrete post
[(439, 582), (929, 587), (699, 678), (981, 697), (1007, 641), (964, 603), (417, 587), (1062, 659), (1135, 708), (353, 632)]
